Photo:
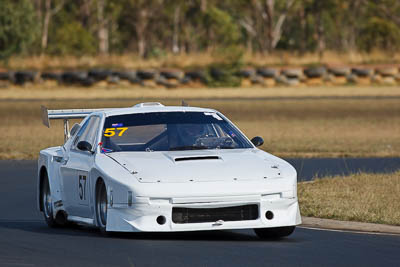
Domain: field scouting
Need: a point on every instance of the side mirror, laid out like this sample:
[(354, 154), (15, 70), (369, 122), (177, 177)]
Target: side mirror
[(84, 146), (74, 129), (257, 141)]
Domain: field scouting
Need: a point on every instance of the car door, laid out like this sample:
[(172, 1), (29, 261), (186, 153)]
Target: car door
[(76, 171)]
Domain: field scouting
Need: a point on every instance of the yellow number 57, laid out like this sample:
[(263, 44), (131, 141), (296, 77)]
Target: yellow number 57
[(111, 131)]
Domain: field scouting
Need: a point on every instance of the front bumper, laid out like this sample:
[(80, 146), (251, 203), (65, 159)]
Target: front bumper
[(142, 217)]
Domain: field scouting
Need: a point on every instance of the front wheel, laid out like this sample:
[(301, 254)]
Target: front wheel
[(47, 204), (275, 232), (101, 206)]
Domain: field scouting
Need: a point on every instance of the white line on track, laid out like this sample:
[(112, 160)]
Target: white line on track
[(348, 231)]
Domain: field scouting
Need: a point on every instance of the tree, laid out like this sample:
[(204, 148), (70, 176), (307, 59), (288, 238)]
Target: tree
[(72, 31), (102, 31), (382, 27), (139, 14), (153, 27), (73, 39), (48, 13), (174, 15), (273, 16), (18, 27)]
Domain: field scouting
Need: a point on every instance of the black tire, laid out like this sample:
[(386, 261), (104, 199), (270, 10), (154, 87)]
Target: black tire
[(274, 233), (292, 73), (267, 73), (246, 73), (74, 77), (339, 71), (196, 76), (50, 76), (315, 72), (87, 82), (101, 210), (172, 74), (47, 205), (125, 75), (217, 74), (128, 75), (21, 77), (146, 74), (99, 74), (362, 72), (5, 76)]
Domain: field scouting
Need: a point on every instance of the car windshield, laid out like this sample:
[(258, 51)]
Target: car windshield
[(170, 131)]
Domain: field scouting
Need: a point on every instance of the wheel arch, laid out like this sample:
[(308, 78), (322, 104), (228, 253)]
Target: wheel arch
[(99, 180)]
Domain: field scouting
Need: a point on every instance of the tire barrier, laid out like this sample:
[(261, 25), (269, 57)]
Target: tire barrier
[(50, 76), (146, 74), (175, 78), (22, 77), (76, 78), (6, 77)]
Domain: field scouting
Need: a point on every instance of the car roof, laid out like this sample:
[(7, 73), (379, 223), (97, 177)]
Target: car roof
[(153, 108)]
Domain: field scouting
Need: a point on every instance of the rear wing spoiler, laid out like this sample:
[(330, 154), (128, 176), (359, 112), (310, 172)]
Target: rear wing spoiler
[(65, 114)]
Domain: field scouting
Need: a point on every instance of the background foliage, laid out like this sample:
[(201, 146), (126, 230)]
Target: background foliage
[(153, 28)]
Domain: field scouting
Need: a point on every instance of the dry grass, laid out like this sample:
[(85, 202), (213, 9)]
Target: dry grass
[(291, 128), (360, 197), (197, 60), (79, 93), (317, 128), (329, 57)]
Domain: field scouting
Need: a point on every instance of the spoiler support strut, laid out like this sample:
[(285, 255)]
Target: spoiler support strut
[(67, 133)]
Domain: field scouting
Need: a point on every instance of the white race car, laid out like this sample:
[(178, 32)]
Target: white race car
[(158, 168)]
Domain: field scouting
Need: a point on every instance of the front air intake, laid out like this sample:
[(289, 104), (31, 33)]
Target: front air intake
[(197, 158), (204, 215)]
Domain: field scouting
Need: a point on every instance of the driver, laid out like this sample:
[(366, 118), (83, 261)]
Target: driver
[(190, 133)]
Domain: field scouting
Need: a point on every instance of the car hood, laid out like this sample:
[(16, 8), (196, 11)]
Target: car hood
[(199, 165)]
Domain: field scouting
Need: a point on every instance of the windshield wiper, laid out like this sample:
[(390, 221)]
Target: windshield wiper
[(187, 148)]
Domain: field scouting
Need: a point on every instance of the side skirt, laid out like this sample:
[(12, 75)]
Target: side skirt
[(81, 220)]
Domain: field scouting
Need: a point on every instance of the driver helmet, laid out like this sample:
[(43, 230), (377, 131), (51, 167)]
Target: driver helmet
[(190, 132)]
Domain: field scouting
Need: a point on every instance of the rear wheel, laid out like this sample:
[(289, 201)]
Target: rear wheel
[(274, 233), (47, 204), (101, 206)]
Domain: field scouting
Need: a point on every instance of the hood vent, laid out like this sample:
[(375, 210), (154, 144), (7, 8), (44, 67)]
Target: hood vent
[(197, 158)]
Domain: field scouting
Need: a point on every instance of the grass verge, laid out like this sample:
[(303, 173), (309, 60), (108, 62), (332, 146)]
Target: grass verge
[(290, 127), (198, 60), (79, 93), (363, 197)]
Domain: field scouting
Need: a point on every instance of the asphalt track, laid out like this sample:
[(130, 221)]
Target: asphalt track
[(25, 240), (320, 167)]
